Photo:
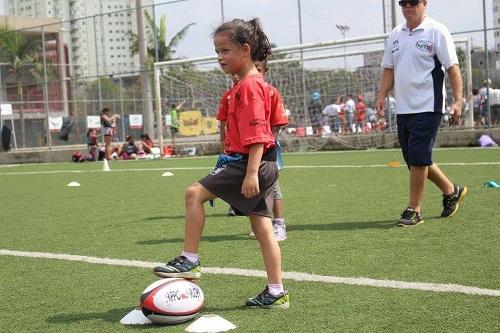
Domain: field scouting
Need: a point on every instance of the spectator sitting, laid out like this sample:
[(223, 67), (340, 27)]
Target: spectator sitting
[(92, 144), (129, 149), (146, 143)]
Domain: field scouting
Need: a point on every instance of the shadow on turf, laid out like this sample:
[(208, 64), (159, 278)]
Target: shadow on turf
[(178, 217), (343, 226), (387, 224), (112, 315), (212, 239)]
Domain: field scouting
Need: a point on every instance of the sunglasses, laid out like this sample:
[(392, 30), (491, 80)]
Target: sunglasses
[(412, 3)]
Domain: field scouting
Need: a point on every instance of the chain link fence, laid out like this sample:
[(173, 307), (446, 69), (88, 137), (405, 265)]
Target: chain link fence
[(78, 66)]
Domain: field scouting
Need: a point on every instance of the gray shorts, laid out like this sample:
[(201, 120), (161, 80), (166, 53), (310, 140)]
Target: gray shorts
[(226, 181), (277, 195)]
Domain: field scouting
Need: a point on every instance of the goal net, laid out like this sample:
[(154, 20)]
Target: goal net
[(309, 77)]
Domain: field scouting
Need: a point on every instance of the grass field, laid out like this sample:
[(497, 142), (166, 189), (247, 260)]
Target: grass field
[(341, 209)]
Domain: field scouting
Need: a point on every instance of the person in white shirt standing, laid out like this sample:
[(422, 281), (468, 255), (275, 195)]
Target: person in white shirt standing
[(417, 54), (350, 108)]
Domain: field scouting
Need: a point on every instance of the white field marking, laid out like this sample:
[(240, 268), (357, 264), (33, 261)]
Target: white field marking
[(210, 168), (357, 151), (295, 276)]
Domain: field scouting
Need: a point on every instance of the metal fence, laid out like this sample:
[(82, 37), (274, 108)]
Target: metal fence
[(89, 62)]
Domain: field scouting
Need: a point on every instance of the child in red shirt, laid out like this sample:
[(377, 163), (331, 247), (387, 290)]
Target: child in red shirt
[(246, 177), (360, 114), (278, 119), (222, 111)]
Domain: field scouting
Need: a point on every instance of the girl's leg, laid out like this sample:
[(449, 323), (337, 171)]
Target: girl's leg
[(278, 208), (271, 253), (196, 195), (187, 265), (107, 143)]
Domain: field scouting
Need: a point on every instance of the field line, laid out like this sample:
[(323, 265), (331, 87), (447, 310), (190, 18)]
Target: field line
[(327, 166), (295, 276)]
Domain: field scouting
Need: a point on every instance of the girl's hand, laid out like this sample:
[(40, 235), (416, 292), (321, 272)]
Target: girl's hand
[(250, 187)]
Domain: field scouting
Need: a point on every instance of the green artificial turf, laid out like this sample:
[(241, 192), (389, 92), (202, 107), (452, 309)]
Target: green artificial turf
[(341, 222)]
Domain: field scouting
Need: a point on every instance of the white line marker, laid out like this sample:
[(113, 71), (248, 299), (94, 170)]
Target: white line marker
[(210, 168), (295, 276)]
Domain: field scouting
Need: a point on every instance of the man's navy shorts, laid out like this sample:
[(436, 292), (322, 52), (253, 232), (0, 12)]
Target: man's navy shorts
[(417, 133)]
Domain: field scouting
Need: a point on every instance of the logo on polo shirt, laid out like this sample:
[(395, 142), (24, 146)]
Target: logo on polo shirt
[(395, 46), (424, 45)]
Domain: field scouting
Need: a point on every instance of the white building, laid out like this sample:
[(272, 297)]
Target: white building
[(96, 31), (496, 23)]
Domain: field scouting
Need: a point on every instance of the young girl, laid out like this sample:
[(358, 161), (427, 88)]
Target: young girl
[(250, 171), (108, 123)]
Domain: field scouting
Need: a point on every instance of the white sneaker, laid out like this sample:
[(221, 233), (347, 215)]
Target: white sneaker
[(252, 235), (279, 231)]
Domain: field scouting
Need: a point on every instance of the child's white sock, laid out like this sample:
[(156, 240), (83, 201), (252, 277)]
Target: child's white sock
[(279, 221), (275, 288), (193, 257)]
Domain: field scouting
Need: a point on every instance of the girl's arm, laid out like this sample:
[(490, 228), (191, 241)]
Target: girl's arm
[(222, 129), (250, 187)]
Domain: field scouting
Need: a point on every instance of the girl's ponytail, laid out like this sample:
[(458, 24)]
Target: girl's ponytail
[(248, 32)]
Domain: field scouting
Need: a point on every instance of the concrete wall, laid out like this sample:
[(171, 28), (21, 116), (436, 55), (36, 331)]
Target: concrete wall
[(455, 138)]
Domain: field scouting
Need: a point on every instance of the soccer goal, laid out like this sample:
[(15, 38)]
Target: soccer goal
[(325, 72)]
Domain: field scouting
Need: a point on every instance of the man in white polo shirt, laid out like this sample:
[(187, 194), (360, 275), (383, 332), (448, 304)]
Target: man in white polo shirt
[(416, 56)]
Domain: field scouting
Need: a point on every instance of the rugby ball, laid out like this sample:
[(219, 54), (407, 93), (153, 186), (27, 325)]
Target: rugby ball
[(171, 301)]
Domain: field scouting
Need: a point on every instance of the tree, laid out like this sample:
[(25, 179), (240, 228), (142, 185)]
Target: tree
[(110, 91), (21, 53), (165, 51)]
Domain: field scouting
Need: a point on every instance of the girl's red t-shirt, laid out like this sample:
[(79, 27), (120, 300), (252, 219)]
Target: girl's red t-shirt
[(248, 116)]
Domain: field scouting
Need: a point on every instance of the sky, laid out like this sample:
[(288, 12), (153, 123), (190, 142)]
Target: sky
[(319, 17)]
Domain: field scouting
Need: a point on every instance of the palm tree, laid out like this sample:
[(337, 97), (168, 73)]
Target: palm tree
[(165, 51), (21, 53)]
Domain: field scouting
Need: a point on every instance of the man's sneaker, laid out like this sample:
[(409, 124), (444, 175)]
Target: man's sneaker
[(410, 218), (231, 212), (450, 202), (266, 300), (279, 231), (179, 267), (252, 234)]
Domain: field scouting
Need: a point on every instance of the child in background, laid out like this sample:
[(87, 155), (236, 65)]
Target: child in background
[(246, 179), (108, 124), (277, 120), (146, 143), (360, 114), (222, 118), (92, 144)]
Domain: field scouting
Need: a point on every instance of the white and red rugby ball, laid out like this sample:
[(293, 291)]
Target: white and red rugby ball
[(171, 301)]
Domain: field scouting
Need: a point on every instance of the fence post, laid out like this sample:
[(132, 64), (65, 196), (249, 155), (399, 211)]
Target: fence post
[(45, 89), (304, 93), (487, 61)]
